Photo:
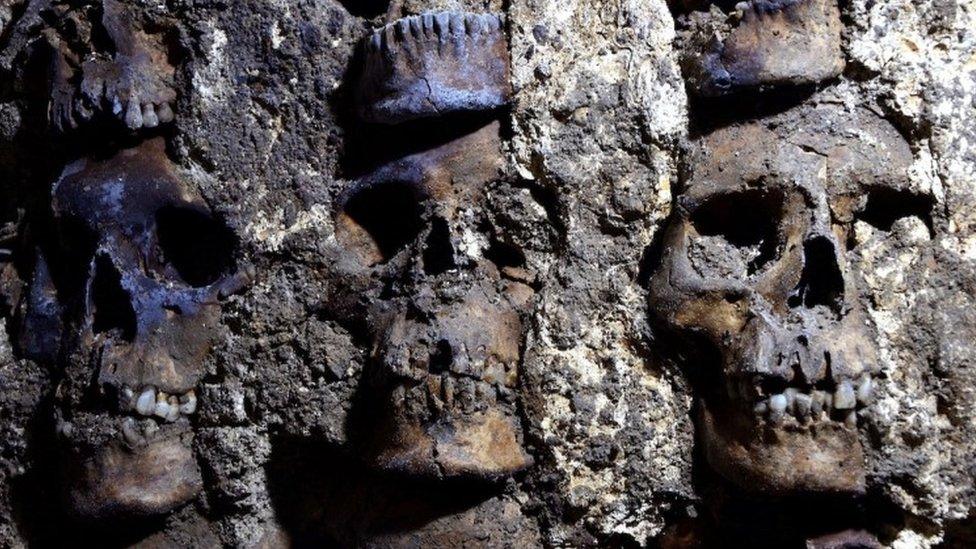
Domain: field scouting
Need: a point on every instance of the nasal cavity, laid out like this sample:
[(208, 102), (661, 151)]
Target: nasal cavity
[(112, 311), (821, 283), (438, 252), (441, 357)]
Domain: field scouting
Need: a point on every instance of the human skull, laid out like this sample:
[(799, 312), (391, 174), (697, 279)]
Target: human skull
[(756, 283), (443, 305), (730, 46), (141, 264)]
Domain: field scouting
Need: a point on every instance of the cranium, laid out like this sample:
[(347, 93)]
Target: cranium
[(139, 269), (760, 43), (756, 282), (445, 320)]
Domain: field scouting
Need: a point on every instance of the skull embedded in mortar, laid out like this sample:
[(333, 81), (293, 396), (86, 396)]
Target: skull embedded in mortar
[(140, 267), (757, 284), (444, 304), (423, 270), (728, 46)]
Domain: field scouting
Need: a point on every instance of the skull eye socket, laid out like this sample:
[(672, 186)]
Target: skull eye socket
[(384, 218), (745, 224), (885, 206), (198, 247)]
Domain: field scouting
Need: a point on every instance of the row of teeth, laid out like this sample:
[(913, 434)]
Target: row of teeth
[(432, 26), (818, 405), (166, 407)]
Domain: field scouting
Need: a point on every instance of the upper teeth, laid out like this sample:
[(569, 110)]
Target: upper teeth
[(815, 405), (150, 402)]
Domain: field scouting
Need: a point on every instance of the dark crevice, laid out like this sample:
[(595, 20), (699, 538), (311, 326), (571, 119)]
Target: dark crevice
[(885, 206), (389, 212), (438, 253), (200, 248), (821, 283), (111, 303)]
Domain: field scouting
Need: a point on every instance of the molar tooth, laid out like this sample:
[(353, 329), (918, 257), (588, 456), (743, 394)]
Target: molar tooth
[(803, 405), (851, 419), (188, 403), (146, 402), (777, 408), (164, 113), (149, 117), (844, 396), (865, 390)]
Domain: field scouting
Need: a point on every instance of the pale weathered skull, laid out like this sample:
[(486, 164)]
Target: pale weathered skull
[(139, 269), (443, 302), (756, 285), (728, 45)]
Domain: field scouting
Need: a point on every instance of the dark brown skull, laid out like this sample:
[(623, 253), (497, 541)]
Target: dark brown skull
[(445, 320), (729, 46), (141, 264), (756, 282)]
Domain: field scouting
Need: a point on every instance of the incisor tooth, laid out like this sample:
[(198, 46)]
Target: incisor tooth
[(790, 395), (851, 419), (865, 390), (844, 396), (130, 431)]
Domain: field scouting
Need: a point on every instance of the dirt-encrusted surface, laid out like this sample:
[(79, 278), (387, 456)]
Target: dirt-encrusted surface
[(464, 273)]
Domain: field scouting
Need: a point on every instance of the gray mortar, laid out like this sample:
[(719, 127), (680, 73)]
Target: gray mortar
[(598, 124)]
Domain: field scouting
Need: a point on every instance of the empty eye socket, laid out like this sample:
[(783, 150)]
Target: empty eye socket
[(390, 214), (198, 247), (885, 206), (748, 220)]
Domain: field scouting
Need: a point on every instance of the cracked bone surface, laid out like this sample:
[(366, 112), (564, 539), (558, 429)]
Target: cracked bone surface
[(434, 64), (759, 43), (755, 278), (445, 320), (142, 264)]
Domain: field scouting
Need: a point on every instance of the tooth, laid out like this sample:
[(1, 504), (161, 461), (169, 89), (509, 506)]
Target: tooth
[(760, 408), (447, 384), (149, 118), (162, 406), (127, 402), (146, 402), (790, 395), (803, 405), (133, 115), (817, 404), (164, 113), (844, 396), (174, 409), (851, 419), (188, 403), (777, 408), (130, 431), (865, 390), (149, 427), (65, 428)]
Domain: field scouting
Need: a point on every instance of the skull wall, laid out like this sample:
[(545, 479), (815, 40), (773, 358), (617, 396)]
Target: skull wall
[(312, 386)]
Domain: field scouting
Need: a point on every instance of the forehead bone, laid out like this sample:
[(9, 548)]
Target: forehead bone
[(123, 189), (434, 64), (848, 151)]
